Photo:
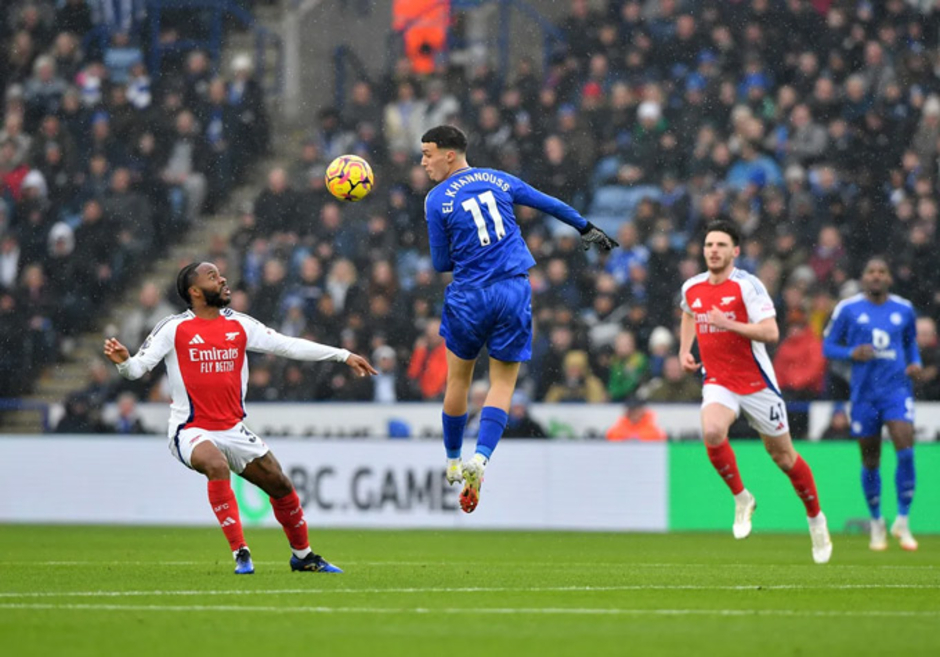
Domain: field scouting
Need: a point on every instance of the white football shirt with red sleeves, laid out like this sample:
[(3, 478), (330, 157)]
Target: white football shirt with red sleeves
[(207, 364), (731, 360)]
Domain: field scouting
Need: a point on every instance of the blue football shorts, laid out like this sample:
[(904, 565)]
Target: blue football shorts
[(498, 316), (870, 414)]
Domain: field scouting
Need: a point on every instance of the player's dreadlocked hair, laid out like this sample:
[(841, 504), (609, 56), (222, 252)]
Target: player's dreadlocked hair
[(447, 137), (185, 280)]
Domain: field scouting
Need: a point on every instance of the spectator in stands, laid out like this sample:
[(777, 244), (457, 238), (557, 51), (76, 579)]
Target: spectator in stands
[(13, 355), (659, 346), (150, 309), (247, 99), (44, 90), (520, 423), (14, 135), (80, 417), (219, 127), (185, 169), (673, 385), (9, 259), (129, 216), (579, 384), (73, 16), (118, 15), (839, 427), (628, 367), (927, 385), (388, 386), (799, 363), (637, 423), (476, 399), (277, 207), (404, 121), (428, 367), (128, 420)]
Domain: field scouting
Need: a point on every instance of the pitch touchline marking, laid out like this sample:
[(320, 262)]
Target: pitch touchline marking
[(474, 589), (594, 564), (481, 611)]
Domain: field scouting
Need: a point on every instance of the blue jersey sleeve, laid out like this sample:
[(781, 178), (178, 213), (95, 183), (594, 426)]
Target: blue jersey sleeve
[(834, 347), (437, 238), (525, 194), (911, 352)]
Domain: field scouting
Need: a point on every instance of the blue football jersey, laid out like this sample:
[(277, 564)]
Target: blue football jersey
[(891, 329), (471, 214)]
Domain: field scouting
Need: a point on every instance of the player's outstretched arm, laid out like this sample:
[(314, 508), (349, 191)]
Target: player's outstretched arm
[(594, 235), (525, 194), (360, 365)]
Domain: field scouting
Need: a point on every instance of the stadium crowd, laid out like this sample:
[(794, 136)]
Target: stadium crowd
[(815, 126), (102, 165)]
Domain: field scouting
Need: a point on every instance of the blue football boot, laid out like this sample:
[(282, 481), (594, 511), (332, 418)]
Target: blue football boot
[(243, 565)]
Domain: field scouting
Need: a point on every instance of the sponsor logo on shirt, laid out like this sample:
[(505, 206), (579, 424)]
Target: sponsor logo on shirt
[(197, 339), (863, 318), (705, 326), (697, 303), (214, 360)]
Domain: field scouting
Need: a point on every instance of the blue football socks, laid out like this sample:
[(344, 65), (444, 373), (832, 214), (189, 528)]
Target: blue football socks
[(904, 480), (454, 426), (871, 486), (492, 424)]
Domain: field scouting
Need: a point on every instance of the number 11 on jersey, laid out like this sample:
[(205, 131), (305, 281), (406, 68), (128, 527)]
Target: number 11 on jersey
[(473, 207)]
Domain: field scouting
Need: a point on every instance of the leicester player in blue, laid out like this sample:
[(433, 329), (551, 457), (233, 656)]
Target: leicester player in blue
[(473, 233), (877, 332)]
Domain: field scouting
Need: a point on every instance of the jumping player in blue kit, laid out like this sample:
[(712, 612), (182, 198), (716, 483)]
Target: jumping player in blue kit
[(877, 332), (473, 233)]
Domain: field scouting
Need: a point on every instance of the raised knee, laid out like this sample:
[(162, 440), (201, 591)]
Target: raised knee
[(714, 435), (784, 460), (281, 487), (217, 470)]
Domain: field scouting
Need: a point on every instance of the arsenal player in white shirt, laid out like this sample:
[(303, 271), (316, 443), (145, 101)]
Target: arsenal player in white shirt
[(205, 353), (731, 315)]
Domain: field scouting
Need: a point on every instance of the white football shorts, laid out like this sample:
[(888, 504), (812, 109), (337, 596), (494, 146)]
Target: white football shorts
[(239, 445), (765, 411)]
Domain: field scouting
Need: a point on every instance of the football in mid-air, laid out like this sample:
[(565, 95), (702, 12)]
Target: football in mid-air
[(349, 178)]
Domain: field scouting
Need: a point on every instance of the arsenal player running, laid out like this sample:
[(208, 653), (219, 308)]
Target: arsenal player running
[(733, 317), (204, 349)]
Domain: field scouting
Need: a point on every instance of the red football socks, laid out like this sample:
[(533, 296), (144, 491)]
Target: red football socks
[(802, 479), (225, 507), (289, 513), (722, 458)]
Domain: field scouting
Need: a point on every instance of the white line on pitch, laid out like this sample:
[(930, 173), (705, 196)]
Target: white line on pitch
[(409, 564), (561, 611), (474, 589)]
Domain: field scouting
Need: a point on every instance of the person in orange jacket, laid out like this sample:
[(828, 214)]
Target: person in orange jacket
[(637, 423)]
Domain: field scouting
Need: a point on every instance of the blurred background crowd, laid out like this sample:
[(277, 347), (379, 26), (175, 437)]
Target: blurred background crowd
[(101, 168), (813, 125)]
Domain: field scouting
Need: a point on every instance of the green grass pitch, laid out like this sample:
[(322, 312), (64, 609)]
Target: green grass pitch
[(103, 591)]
